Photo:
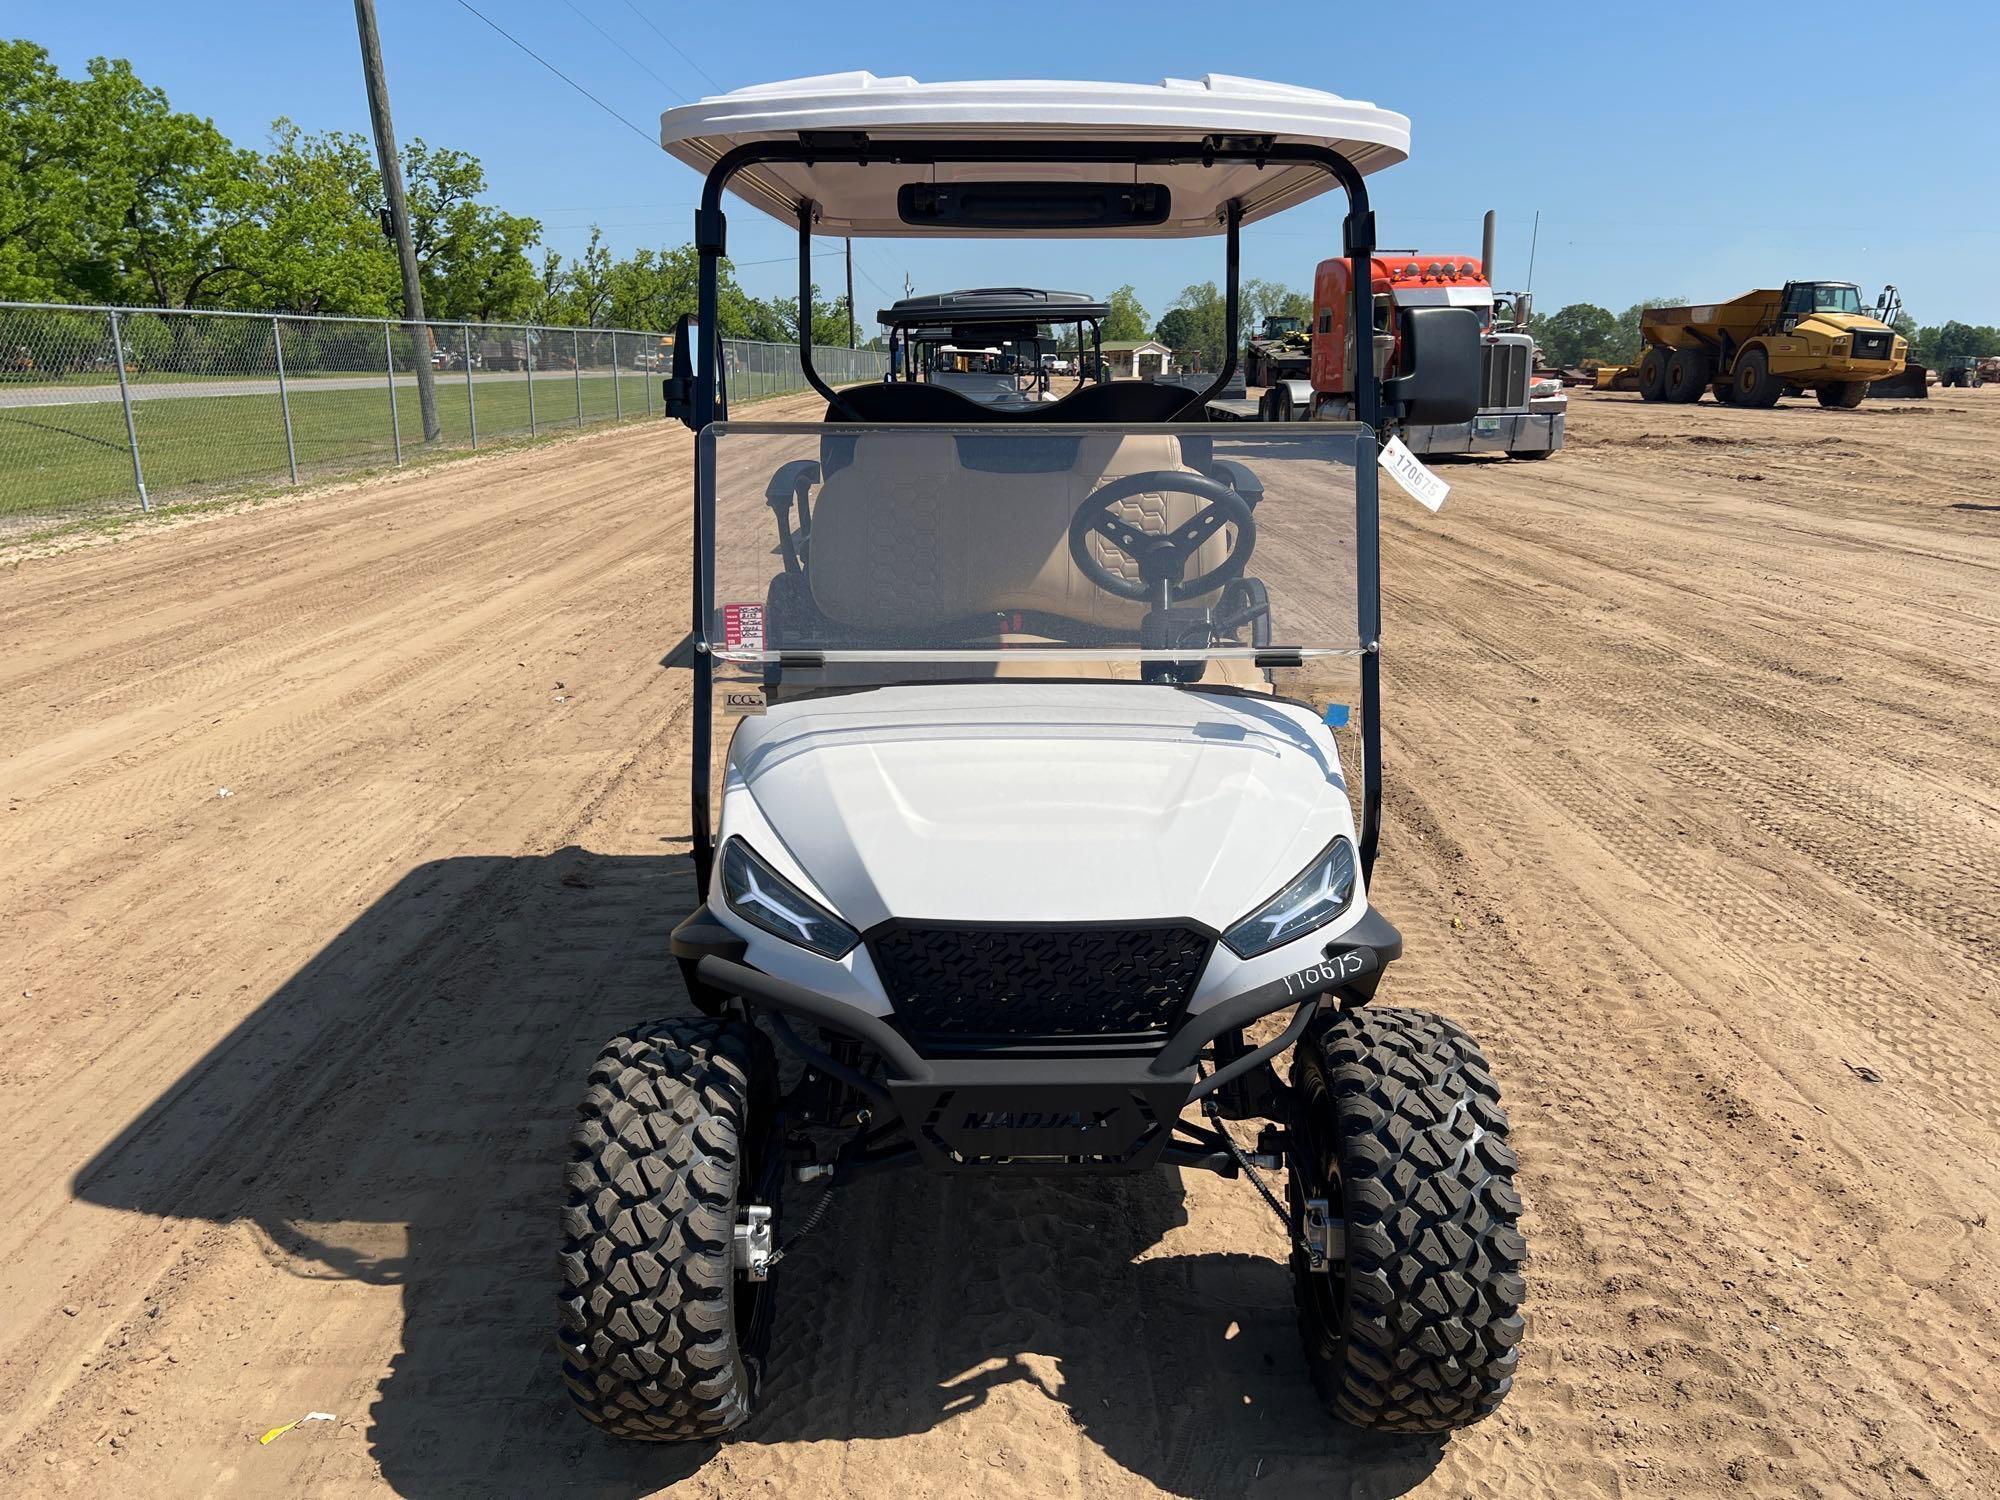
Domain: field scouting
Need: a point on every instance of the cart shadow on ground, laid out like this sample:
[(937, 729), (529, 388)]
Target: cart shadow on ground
[(396, 1114)]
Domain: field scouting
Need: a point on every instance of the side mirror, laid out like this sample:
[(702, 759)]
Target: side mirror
[(1439, 360), (677, 390)]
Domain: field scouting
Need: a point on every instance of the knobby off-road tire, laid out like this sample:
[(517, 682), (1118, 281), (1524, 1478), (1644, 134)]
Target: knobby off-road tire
[(1397, 1122), (1846, 394), (660, 1340)]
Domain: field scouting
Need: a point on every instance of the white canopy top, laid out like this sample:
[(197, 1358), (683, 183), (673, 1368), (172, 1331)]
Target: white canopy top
[(862, 200)]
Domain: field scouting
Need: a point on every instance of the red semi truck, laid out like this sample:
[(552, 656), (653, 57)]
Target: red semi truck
[(1518, 414)]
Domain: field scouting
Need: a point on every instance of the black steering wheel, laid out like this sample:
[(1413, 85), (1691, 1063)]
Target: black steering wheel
[(1162, 557)]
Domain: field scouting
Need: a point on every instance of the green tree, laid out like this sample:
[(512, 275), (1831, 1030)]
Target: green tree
[(186, 196), (1258, 299), (1203, 326), (829, 318), (1127, 319), (106, 194), (109, 194), (1580, 331), (314, 244), (1953, 339), (1177, 330), (43, 182), (473, 257), (1630, 342)]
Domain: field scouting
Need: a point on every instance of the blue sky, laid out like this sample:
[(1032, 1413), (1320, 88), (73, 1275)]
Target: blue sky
[(1693, 149)]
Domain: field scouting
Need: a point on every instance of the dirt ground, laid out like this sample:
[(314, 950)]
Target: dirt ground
[(339, 833)]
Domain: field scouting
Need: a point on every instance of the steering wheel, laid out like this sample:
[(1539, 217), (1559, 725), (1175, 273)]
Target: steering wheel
[(1162, 557)]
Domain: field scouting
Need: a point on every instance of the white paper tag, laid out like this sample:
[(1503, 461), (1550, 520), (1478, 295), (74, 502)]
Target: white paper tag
[(1408, 470)]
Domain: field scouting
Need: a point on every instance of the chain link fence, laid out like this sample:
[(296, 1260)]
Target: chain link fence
[(111, 409)]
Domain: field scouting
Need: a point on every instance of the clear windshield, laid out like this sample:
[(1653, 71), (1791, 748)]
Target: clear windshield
[(1829, 297), (912, 547)]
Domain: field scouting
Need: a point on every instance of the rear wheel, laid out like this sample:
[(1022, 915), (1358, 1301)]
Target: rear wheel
[(1688, 374), (1653, 374), (1754, 385), (1397, 1125), (1842, 393), (660, 1339)]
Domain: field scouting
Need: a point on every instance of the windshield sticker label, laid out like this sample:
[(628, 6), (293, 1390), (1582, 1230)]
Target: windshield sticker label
[(743, 700), (743, 626), (1407, 470)]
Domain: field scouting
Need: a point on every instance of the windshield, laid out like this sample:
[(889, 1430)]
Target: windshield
[(1099, 547), (1833, 297)]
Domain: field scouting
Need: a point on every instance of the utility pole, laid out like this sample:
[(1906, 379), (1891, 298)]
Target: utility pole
[(399, 214), (850, 294)]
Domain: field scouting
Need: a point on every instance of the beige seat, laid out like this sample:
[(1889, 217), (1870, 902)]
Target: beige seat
[(909, 536)]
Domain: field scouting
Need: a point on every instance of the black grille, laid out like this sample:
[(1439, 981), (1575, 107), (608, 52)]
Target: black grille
[(1009, 984), (1872, 345), (1504, 374)]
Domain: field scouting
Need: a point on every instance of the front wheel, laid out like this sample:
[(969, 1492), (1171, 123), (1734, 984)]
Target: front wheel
[(660, 1339), (1846, 394), (1755, 387), (1397, 1127)]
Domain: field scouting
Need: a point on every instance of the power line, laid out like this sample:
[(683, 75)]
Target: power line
[(621, 47), (675, 45), (780, 260), (868, 276), (561, 74)]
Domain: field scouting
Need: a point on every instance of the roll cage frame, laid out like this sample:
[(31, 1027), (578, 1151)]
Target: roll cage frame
[(905, 338), (711, 243)]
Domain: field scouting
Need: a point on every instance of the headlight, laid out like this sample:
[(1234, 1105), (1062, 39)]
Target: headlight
[(764, 898), (1320, 894)]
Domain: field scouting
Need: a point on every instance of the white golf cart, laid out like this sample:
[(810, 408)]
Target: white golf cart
[(1035, 848)]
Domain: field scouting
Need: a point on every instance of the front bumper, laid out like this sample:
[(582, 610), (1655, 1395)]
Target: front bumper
[(1515, 432), (1050, 1106)]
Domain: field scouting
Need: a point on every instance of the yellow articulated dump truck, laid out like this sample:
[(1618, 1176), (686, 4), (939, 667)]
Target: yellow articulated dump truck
[(1812, 335)]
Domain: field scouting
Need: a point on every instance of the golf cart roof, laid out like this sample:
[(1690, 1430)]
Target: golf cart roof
[(862, 200), (992, 304)]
